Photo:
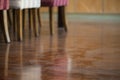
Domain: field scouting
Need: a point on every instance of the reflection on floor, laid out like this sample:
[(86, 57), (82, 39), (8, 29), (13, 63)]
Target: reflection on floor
[(89, 51)]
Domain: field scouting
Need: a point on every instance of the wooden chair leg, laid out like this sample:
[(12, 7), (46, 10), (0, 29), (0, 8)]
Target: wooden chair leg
[(51, 20), (20, 25), (24, 20), (39, 19), (15, 21), (30, 21), (62, 17), (35, 27), (5, 21), (9, 13), (10, 21)]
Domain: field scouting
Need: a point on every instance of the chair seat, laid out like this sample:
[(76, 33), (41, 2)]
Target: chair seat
[(4, 4), (54, 2), (22, 4)]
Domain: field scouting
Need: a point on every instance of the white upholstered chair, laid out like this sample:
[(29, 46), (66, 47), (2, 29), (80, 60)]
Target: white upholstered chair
[(18, 6)]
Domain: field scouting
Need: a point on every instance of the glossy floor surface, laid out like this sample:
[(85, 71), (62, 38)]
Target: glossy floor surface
[(89, 51)]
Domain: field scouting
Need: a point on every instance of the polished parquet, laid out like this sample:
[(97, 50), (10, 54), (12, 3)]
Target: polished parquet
[(89, 51)]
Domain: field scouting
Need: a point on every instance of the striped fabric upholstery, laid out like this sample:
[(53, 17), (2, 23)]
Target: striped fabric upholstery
[(54, 2), (22, 4), (4, 4)]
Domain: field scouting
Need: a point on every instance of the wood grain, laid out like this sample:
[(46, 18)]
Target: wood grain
[(112, 6), (87, 6)]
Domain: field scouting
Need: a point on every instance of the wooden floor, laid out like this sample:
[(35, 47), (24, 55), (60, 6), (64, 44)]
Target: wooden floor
[(89, 51)]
